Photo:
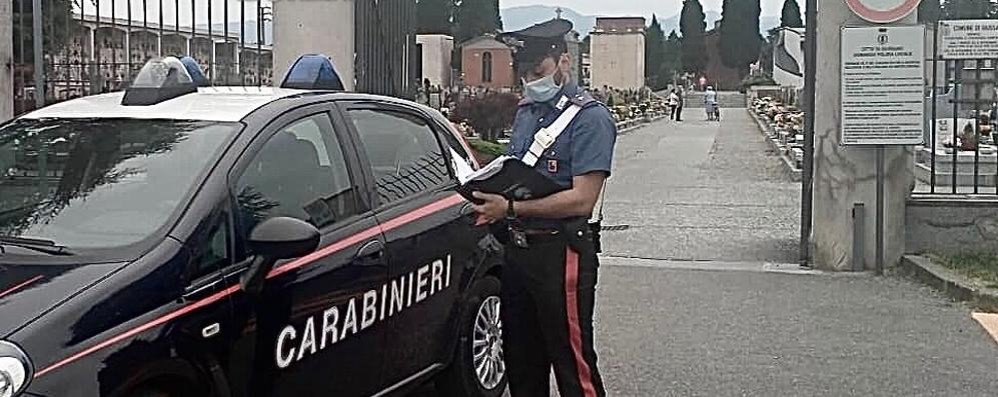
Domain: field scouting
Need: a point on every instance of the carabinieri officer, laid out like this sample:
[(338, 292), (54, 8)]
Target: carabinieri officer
[(549, 280)]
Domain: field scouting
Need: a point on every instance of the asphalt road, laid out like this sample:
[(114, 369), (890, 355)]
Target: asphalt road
[(696, 297)]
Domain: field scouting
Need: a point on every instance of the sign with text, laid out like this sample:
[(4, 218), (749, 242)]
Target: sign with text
[(883, 85), (969, 39)]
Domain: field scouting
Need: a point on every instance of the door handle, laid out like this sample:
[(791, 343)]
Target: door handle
[(370, 254)]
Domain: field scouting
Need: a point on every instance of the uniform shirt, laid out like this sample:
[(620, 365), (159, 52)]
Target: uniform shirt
[(585, 146)]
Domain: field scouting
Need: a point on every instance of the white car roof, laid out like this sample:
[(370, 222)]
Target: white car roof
[(208, 104)]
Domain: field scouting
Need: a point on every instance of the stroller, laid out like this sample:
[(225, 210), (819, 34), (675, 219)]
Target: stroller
[(713, 111)]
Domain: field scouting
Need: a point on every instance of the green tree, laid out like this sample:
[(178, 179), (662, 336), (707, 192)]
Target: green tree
[(692, 25), (474, 18), (740, 40), (969, 9), (434, 16), (673, 60), (654, 54), (929, 11), (791, 15)]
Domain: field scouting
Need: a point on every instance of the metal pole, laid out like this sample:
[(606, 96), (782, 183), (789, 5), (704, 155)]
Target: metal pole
[(880, 210), (36, 40), (935, 96), (810, 72)]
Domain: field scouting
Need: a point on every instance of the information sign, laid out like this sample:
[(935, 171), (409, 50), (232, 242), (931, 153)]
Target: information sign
[(969, 39), (883, 85)]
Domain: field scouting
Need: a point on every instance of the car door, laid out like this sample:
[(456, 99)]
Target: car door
[(313, 330), (428, 229)]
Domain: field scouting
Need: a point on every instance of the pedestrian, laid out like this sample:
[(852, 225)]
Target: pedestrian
[(710, 103), (673, 104), (549, 278), (679, 106)]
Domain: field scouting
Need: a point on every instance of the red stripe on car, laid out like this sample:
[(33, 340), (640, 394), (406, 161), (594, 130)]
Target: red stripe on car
[(13, 289), (357, 238)]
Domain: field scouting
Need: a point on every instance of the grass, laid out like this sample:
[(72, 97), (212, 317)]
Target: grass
[(981, 267)]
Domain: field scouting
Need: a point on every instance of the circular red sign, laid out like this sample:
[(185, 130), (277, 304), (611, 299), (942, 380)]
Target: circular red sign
[(865, 10)]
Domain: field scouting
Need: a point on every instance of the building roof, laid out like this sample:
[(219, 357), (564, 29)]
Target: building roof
[(484, 42), (209, 104)]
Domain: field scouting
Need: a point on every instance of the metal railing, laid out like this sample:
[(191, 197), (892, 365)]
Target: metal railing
[(960, 153), (97, 46)]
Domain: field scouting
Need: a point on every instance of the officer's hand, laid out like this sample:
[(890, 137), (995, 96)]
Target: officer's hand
[(494, 207)]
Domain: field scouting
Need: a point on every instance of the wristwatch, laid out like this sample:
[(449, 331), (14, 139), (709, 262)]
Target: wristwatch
[(510, 212)]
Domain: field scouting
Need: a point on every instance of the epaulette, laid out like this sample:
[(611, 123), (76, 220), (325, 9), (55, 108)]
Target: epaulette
[(583, 99)]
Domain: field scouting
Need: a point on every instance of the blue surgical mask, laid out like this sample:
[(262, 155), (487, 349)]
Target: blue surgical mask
[(541, 90)]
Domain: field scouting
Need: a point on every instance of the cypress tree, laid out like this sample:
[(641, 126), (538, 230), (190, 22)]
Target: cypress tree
[(692, 25), (791, 15), (434, 16), (654, 54), (740, 40)]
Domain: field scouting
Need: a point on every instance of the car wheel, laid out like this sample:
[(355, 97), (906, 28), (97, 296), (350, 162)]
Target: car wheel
[(478, 369)]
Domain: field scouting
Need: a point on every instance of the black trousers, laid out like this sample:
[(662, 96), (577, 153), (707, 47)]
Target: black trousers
[(548, 294), (679, 113)]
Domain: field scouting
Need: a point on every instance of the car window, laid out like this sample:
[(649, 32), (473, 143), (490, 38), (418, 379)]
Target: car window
[(405, 157), (101, 183), (301, 173), (210, 244)]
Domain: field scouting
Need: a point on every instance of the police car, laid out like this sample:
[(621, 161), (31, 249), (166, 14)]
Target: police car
[(182, 240)]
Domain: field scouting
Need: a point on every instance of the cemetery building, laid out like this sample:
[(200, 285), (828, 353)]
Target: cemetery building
[(617, 53)]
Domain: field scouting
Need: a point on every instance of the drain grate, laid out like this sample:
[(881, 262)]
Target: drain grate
[(616, 228)]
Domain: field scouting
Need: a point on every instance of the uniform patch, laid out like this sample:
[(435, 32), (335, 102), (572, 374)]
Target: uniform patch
[(553, 166)]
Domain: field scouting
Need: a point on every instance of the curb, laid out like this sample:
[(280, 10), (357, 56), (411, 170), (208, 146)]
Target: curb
[(953, 284), (789, 167)]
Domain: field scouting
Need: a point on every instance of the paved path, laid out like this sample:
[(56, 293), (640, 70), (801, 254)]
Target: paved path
[(704, 191), (714, 312), (697, 299)]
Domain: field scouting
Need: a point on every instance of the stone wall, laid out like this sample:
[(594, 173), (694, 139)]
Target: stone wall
[(618, 60), (947, 225)]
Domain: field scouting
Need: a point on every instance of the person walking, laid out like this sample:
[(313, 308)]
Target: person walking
[(673, 104), (549, 278), (710, 104), (679, 104)]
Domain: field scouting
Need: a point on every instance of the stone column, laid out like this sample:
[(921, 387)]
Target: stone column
[(6, 60), (847, 175), (314, 27)]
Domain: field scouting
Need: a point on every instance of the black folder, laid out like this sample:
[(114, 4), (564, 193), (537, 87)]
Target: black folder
[(509, 177)]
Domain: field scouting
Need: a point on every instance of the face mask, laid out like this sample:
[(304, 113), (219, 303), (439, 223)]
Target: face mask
[(541, 90)]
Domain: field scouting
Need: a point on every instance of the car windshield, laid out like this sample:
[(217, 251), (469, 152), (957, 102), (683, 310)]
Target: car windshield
[(100, 183)]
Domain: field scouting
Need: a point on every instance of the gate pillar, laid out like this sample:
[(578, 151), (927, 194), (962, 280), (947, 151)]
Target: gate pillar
[(845, 176), (314, 27)]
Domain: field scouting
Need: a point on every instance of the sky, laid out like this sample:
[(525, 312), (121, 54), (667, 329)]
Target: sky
[(638, 7)]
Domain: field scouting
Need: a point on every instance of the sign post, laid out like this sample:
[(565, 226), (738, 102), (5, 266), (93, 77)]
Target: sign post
[(882, 83)]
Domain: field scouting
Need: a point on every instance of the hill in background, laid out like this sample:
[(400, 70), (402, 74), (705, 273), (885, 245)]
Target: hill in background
[(516, 18)]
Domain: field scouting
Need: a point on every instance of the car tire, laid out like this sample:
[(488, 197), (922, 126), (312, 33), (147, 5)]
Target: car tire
[(481, 333)]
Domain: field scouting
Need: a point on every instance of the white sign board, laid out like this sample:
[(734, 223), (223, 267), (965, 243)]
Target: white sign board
[(969, 39), (883, 85), (882, 11)]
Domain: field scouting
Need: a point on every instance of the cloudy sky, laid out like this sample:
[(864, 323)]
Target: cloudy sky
[(638, 7)]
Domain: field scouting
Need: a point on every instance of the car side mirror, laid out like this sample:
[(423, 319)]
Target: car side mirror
[(275, 239)]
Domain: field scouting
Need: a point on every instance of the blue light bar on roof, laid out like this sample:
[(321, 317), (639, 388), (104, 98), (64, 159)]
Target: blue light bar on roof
[(194, 70), (313, 72), (159, 80)]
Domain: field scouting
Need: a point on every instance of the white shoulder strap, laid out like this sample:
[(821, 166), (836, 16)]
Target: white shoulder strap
[(544, 138)]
